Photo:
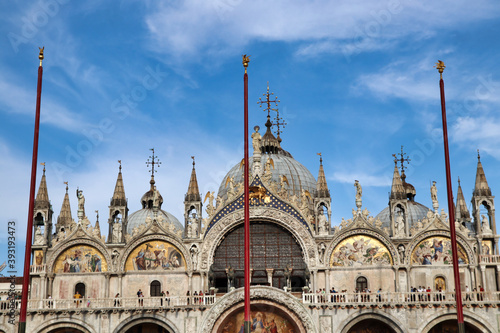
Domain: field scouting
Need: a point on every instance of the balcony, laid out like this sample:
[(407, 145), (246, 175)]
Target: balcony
[(489, 259), (391, 299)]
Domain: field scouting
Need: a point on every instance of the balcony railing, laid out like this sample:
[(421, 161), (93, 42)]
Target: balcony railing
[(119, 303), (394, 298), (37, 269), (489, 259)]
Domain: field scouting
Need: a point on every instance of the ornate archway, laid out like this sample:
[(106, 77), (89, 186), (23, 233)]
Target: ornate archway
[(146, 324), (270, 302), (272, 248)]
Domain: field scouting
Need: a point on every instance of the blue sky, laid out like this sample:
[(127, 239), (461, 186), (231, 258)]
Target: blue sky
[(355, 79)]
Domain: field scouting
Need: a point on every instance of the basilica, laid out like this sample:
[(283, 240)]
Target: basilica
[(385, 272)]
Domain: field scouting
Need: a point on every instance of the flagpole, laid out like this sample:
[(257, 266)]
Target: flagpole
[(29, 229), (451, 208), (247, 323)]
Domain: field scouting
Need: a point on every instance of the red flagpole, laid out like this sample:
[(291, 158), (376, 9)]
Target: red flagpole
[(29, 230), (247, 323), (451, 208)]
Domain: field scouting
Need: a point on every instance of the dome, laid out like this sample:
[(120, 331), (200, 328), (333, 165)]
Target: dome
[(139, 218), (416, 212), (299, 177)]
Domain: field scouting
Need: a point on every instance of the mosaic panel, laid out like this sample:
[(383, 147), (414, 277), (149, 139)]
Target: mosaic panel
[(437, 251), (155, 255), (80, 259), (360, 250)]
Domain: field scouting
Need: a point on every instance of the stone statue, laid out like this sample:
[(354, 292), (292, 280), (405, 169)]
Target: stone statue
[(230, 277), (194, 225), (401, 250), (81, 203), (307, 276), (359, 193), (434, 192), (485, 224), (400, 225), (322, 223), (156, 198), (288, 275), (359, 190), (210, 207), (256, 139), (194, 255), (322, 249), (39, 240), (117, 232), (211, 277), (114, 257)]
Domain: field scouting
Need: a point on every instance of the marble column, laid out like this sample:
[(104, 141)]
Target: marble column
[(106, 285), (269, 272), (51, 284), (327, 280), (120, 276), (43, 287)]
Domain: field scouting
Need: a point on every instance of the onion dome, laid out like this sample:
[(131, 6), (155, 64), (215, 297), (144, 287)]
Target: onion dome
[(416, 212), (299, 177), (151, 203), (139, 217)]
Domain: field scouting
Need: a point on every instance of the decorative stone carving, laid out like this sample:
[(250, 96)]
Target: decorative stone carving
[(258, 293), (39, 239)]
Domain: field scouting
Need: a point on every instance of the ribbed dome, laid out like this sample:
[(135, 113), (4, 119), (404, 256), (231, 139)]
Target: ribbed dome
[(298, 176), (416, 212), (139, 217)]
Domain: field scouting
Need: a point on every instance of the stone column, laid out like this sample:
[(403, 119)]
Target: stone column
[(190, 283), (43, 286), (106, 285), (51, 284), (120, 276), (202, 282), (483, 277), (313, 280), (327, 280), (498, 280), (269, 272)]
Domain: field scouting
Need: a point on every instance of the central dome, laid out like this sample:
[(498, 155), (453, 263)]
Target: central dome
[(299, 177)]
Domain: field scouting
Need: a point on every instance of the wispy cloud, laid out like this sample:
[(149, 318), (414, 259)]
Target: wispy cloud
[(190, 26)]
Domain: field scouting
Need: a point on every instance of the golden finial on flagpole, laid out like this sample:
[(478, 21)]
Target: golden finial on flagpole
[(440, 67), (40, 56), (246, 60)]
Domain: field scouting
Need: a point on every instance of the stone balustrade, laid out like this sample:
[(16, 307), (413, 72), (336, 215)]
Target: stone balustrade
[(403, 298), (489, 259)]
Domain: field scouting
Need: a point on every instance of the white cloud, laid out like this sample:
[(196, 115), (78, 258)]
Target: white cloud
[(185, 28), (481, 132)]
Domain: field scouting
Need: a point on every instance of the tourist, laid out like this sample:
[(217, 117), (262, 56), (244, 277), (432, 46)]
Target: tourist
[(162, 295), (77, 297), (379, 295), (117, 299), (167, 298), (481, 293), (467, 293), (202, 299), (140, 296), (188, 296)]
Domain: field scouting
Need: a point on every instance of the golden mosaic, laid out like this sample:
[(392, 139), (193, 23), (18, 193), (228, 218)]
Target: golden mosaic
[(360, 250), (80, 259), (437, 251), (155, 255)]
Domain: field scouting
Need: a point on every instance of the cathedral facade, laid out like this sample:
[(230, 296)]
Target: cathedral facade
[(386, 272)]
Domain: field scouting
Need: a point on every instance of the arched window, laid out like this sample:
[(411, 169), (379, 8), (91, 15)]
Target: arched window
[(271, 247), (80, 288), (155, 288), (361, 283)]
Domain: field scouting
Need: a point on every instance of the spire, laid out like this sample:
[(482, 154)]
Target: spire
[(42, 197), (461, 208), (269, 143), (153, 163), (119, 198), (193, 193), (481, 188), (321, 185), (64, 218), (397, 189)]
